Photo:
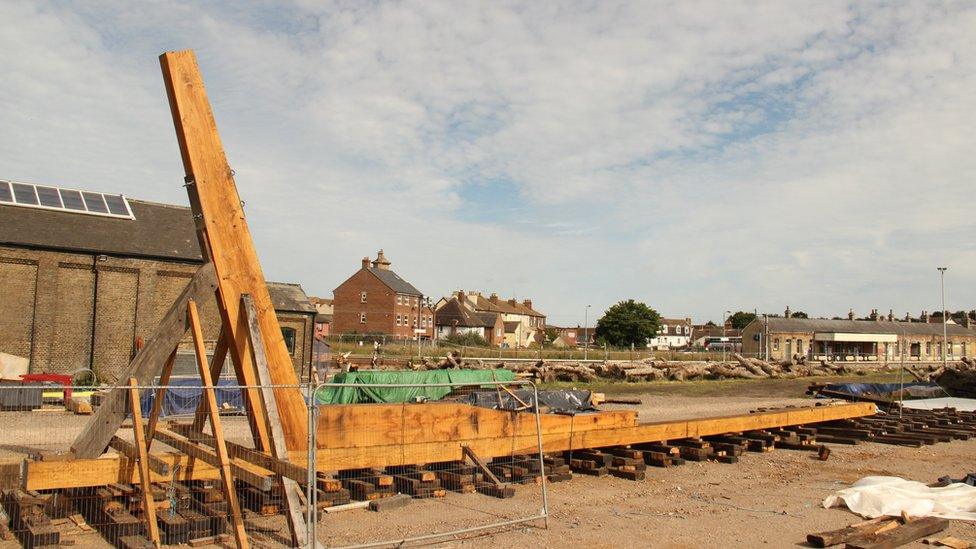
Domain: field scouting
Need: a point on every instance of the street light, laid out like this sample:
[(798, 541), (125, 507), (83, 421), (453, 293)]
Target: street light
[(945, 350), (586, 335), (725, 337)]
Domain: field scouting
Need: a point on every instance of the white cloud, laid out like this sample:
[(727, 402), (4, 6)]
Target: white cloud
[(698, 155)]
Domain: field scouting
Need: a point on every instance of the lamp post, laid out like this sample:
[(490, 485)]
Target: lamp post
[(725, 338), (945, 337), (586, 335)]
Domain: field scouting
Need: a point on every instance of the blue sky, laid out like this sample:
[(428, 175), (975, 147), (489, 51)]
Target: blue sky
[(699, 156)]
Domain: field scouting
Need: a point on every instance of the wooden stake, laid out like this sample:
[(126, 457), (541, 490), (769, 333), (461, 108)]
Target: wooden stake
[(158, 399), (216, 367), (149, 507), (240, 536), (278, 448)]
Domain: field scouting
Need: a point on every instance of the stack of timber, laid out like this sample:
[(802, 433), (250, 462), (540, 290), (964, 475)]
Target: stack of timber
[(913, 428), (884, 532)]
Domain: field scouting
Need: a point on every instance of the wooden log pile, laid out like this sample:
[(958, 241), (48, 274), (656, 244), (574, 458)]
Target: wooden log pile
[(740, 367), (959, 378)]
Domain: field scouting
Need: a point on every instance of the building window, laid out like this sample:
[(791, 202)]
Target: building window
[(664, 328), (362, 317), (799, 345), (289, 335), (362, 297), (398, 320), (775, 343), (928, 348), (399, 299)]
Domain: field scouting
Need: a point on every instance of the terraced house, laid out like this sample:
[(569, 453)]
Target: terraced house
[(523, 325)]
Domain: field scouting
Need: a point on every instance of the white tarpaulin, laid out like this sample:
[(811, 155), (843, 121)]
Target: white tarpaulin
[(873, 497), (12, 366)]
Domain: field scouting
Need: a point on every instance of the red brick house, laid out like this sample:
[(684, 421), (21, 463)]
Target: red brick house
[(376, 300), (452, 317)]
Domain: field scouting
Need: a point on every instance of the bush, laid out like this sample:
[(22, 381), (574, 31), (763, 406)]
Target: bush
[(465, 340)]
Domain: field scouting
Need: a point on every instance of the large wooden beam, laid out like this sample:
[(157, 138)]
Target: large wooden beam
[(431, 441), (296, 523), (226, 239), (245, 472), (146, 365)]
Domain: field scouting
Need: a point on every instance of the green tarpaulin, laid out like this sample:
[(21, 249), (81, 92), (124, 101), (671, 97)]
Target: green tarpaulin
[(419, 380)]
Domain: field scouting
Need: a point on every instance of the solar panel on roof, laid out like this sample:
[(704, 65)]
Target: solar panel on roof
[(48, 196), (69, 200), (24, 194)]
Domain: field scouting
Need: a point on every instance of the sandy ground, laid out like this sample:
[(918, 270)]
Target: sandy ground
[(769, 499)]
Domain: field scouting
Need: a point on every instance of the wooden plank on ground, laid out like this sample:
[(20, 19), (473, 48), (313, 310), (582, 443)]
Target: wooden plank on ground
[(147, 363), (225, 238)]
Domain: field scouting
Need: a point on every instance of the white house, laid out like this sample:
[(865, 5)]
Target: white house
[(673, 333)]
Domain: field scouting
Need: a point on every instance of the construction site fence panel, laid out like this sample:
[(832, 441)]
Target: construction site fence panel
[(448, 494), (57, 498)]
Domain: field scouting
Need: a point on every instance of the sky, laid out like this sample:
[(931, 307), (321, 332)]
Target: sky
[(697, 156)]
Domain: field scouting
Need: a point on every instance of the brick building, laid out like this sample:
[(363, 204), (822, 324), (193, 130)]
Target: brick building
[(523, 325), (376, 300), (83, 276), (882, 339)]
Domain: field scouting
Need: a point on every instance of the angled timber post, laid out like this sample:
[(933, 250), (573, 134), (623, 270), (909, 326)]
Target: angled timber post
[(210, 396), (148, 505), (278, 448), (147, 363), (226, 240)]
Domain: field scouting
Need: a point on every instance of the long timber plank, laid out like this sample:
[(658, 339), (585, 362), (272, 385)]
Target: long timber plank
[(225, 238), (557, 436)]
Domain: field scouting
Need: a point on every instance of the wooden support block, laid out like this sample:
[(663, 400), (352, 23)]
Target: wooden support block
[(134, 542), (727, 459), (388, 504), (495, 490), (560, 476), (629, 474), (175, 528)]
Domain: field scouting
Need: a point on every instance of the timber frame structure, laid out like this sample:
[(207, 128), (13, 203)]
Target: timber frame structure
[(346, 437)]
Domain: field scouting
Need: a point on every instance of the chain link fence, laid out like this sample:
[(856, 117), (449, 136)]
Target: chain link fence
[(49, 497)]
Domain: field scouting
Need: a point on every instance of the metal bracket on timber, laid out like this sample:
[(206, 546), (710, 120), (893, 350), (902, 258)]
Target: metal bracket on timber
[(226, 240)]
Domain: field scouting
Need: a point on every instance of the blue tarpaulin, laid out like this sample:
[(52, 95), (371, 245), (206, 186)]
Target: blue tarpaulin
[(183, 395), (915, 389)]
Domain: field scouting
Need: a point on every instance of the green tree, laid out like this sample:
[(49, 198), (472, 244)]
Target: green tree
[(628, 322), (741, 319), (551, 335), (468, 339), (799, 314)]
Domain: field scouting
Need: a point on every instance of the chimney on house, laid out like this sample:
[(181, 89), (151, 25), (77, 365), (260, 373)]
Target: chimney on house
[(850, 314), (527, 303), (461, 297), (874, 314), (381, 262), (908, 317), (891, 315), (512, 301), (493, 298), (925, 317), (365, 262), (786, 313)]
